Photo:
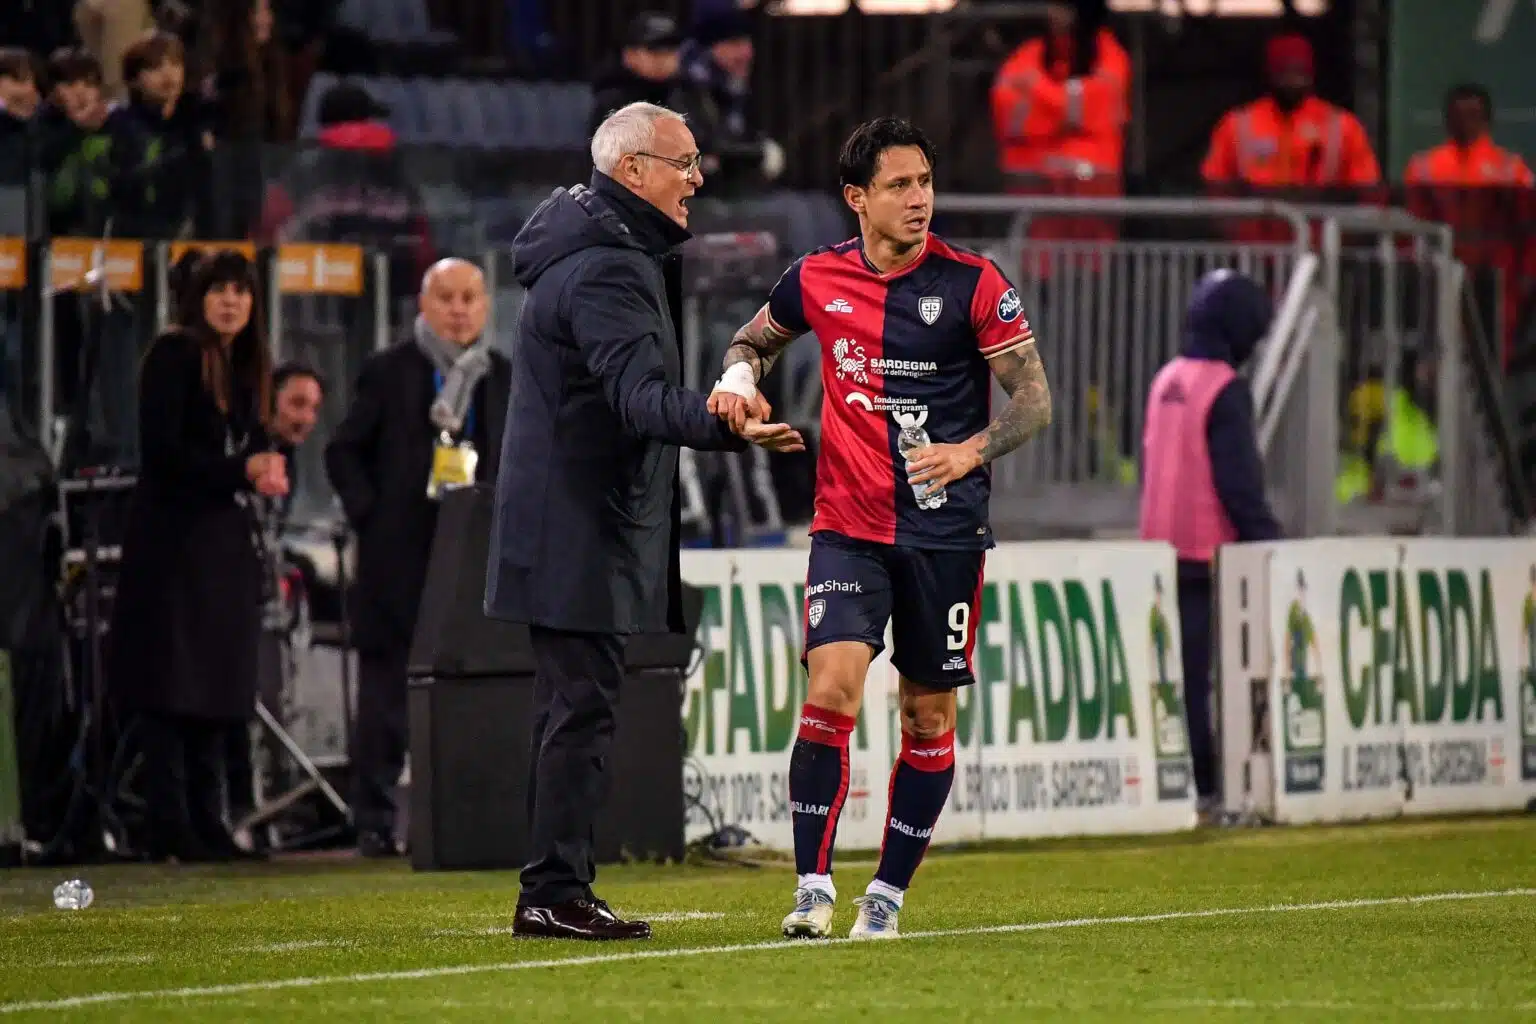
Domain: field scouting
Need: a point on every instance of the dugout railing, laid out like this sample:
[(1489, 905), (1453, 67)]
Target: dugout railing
[(1358, 288)]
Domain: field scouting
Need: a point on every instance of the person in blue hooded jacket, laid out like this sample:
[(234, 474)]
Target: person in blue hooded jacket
[(585, 537), (1202, 474)]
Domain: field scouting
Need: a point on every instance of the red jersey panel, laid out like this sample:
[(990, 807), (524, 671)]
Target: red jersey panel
[(910, 346)]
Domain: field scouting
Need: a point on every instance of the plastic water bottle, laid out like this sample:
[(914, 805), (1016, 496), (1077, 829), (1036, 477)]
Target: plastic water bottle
[(911, 439), (74, 894)]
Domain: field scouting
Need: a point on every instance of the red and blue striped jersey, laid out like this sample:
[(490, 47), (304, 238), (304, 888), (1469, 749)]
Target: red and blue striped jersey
[(908, 346)]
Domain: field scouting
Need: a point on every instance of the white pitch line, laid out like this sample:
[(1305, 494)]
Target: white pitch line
[(104, 960), (289, 947), (781, 945), (1324, 1004)]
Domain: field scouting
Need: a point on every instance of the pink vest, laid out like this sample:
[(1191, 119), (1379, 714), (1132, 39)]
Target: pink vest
[(1178, 495)]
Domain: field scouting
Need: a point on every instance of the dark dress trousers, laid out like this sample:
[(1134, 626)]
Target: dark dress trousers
[(181, 659), (584, 545), (379, 462)]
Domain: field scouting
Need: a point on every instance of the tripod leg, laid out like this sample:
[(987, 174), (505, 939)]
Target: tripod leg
[(277, 731)]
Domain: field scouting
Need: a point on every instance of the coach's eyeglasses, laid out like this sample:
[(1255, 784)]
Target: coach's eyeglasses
[(687, 166)]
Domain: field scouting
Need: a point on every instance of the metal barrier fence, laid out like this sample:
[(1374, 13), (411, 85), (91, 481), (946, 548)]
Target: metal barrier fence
[(101, 303), (328, 307), (1108, 313), (75, 384), (1381, 306)]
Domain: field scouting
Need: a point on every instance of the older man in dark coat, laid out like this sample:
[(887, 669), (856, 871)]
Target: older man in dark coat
[(585, 538), (437, 399)]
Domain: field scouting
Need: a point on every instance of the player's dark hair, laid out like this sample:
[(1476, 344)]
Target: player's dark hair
[(860, 158), (296, 368), (1470, 91)]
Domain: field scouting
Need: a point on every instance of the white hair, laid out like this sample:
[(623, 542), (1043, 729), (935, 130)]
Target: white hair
[(630, 129)]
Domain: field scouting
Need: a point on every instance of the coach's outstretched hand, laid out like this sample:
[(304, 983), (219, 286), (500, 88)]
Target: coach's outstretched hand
[(776, 437), (736, 410)]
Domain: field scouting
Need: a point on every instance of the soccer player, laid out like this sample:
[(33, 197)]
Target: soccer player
[(912, 332)]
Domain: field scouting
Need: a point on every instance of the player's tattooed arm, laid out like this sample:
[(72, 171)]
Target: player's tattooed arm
[(753, 351), (1022, 375), (759, 343)]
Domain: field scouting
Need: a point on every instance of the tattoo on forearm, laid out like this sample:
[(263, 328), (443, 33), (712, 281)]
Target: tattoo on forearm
[(758, 344), (1028, 411)]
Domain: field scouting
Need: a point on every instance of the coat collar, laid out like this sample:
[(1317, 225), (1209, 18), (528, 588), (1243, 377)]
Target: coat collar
[(656, 232)]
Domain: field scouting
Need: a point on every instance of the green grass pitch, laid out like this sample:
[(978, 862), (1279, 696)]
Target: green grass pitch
[(1410, 921)]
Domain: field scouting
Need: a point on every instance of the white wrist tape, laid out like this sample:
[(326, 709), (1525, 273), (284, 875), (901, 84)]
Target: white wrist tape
[(738, 380)]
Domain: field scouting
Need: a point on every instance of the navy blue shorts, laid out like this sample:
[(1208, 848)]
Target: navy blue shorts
[(930, 598)]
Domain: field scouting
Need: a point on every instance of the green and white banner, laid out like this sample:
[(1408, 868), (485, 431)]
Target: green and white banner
[(1399, 677), (1075, 725)]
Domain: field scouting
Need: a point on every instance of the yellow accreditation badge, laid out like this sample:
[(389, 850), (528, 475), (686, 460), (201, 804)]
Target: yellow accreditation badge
[(453, 465)]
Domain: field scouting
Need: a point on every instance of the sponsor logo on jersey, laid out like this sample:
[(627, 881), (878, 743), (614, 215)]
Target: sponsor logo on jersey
[(903, 367), (851, 360), (929, 307), (839, 306), (816, 612), (1009, 306), (955, 665), (834, 587), (907, 412), (883, 403)]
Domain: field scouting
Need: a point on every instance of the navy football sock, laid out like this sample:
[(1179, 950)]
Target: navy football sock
[(919, 788), (818, 786)]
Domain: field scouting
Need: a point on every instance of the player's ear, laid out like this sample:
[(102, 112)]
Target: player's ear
[(854, 197)]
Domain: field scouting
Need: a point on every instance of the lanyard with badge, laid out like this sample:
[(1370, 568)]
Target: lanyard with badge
[(453, 463)]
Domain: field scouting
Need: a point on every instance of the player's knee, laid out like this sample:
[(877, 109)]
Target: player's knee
[(837, 692), (837, 676), (927, 717)]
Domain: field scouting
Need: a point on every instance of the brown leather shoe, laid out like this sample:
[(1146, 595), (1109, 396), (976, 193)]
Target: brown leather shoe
[(577, 919)]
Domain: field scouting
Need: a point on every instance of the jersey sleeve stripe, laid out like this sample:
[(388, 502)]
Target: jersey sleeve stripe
[(1016, 342), (778, 326)]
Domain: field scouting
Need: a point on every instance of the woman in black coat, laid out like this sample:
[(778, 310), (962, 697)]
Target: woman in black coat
[(187, 616)]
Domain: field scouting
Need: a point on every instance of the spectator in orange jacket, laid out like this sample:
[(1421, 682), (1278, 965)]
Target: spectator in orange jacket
[(1469, 157), (1059, 103), (1480, 189), (1290, 138)]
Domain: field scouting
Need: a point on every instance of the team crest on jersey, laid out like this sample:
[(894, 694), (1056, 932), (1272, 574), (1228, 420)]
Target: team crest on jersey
[(929, 307), (816, 612), (1009, 306)]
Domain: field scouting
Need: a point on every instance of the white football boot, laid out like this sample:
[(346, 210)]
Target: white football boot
[(812, 916), (877, 918)]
